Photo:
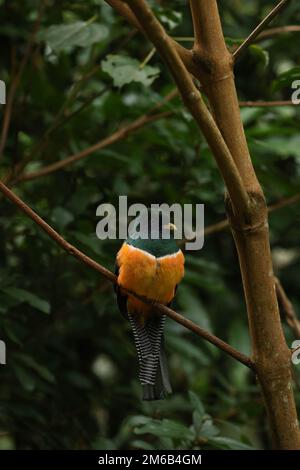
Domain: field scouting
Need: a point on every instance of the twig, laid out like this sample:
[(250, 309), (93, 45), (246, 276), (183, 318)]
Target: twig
[(120, 134), (16, 174), (287, 308), (125, 11), (218, 227), (263, 35), (284, 202), (194, 102), (116, 136), (265, 104), (147, 58), (72, 250), (280, 30), (63, 116), (224, 224), (8, 111), (251, 38), (16, 81)]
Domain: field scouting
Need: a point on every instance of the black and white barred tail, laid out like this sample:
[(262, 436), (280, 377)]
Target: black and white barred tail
[(149, 341)]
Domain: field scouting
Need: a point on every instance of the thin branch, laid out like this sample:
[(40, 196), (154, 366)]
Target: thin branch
[(265, 104), (287, 308), (63, 115), (247, 361), (16, 81), (194, 102), (276, 31), (125, 11), (268, 33), (72, 250), (120, 134), (224, 224), (217, 227), (284, 202), (258, 30), (16, 174), (8, 111)]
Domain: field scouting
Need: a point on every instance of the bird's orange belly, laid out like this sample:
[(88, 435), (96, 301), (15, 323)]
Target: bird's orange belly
[(154, 278)]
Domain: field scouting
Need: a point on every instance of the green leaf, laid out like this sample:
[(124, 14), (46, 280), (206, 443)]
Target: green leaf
[(187, 349), (61, 217), (197, 404), (228, 443), (124, 70), (103, 444), (166, 428), (233, 42), (42, 371), (286, 79), (208, 429), (67, 36), (283, 146), (25, 378), (91, 241), (192, 306), (169, 17), (139, 444), (261, 54), (27, 297)]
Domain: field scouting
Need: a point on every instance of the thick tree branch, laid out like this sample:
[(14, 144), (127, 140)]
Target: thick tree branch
[(215, 72), (196, 13), (72, 250), (258, 30), (251, 232), (194, 102), (125, 11)]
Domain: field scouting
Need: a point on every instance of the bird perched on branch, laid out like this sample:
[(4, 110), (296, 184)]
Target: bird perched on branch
[(151, 266)]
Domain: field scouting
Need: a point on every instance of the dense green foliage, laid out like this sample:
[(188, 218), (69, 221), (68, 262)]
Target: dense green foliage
[(71, 375)]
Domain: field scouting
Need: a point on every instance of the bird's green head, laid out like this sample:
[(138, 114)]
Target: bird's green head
[(153, 233)]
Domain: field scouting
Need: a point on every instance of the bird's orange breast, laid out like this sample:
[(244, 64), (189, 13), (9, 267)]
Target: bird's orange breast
[(154, 278)]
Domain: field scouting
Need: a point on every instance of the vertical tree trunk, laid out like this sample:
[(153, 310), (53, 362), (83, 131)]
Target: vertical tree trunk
[(270, 352)]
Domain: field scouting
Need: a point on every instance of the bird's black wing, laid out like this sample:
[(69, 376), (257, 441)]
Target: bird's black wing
[(121, 298), (170, 303)]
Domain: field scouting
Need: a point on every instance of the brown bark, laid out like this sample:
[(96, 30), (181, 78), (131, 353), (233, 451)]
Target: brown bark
[(270, 352), (213, 65), (215, 71)]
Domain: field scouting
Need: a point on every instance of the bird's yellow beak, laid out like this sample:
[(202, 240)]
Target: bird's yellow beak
[(170, 227)]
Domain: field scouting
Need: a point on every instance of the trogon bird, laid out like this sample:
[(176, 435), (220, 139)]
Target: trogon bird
[(150, 265)]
